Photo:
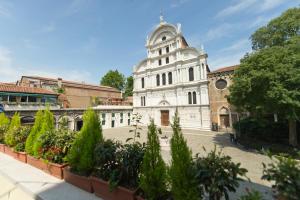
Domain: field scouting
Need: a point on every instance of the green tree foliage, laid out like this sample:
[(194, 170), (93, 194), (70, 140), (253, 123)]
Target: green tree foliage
[(217, 174), (34, 132), (252, 195), (4, 124), (81, 155), (153, 173), (47, 125), (20, 137), (285, 175), (113, 79), (181, 173), (15, 124), (268, 79), (129, 86)]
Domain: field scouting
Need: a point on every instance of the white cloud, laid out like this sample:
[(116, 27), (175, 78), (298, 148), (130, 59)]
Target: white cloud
[(238, 46), (218, 32), (236, 8), (178, 3), (270, 4), (48, 28)]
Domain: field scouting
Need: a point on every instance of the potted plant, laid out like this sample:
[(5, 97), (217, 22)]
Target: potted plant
[(20, 136), (9, 136), (54, 147), (285, 174), (4, 124), (217, 175), (153, 178), (81, 155)]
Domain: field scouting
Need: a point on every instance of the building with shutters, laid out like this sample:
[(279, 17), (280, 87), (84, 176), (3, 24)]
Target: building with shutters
[(173, 76)]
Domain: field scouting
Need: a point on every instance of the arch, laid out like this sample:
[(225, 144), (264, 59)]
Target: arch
[(163, 30), (223, 110), (190, 98), (224, 117), (164, 103), (164, 79), (194, 98), (191, 74), (78, 123), (143, 82), (157, 80), (170, 78)]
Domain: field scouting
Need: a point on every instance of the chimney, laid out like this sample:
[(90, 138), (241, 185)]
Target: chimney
[(59, 82)]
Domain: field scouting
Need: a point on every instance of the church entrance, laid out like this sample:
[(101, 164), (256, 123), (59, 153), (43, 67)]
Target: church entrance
[(164, 116), (224, 120)]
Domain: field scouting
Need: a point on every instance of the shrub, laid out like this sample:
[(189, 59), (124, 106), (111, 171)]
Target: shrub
[(252, 195), (47, 125), (20, 137), (55, 145), (217, 174), (107, 162), (4, 124), (34, 132), (9, 136), (285, 172), (153, 173), (81, 155), (181, 173)]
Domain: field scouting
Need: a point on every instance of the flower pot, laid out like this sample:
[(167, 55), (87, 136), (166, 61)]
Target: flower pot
[(21, 156), (2, 148), (9, 151), (101, 189), (82, 182), (55, 169), (37, 163)]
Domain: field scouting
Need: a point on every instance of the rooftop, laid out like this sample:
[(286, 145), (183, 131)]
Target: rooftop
[(4, 87), (225, 69)]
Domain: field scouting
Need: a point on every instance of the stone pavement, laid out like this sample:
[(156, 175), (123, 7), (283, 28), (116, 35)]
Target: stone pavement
[(24, 182), (196, 140)]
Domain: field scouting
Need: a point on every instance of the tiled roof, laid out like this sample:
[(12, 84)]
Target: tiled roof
[(75, 84), (225, 69), (20, 89)]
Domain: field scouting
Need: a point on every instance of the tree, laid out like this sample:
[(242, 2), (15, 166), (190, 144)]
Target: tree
[(4, 124), (81, 155), (14, 125), (34, 131), (129, 86), (153, 172), (268, 79), (113, 79), (181, 173)]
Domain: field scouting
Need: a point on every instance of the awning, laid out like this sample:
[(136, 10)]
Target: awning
[(26, 94)]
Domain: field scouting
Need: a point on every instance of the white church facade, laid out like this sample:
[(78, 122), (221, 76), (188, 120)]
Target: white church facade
[(173, 76)]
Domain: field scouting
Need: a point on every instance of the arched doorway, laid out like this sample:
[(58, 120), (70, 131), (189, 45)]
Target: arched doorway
[(78, 124), (224, 117)]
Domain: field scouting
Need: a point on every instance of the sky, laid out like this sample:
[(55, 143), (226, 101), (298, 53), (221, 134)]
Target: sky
[(81, 40)]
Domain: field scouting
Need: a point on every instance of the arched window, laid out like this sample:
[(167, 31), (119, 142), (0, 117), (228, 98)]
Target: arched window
[(143, 82), (164, 79), (191, 74), (157, 80), (194, 98), (142, 101), (167, 60), (170, 78), (190, 97)]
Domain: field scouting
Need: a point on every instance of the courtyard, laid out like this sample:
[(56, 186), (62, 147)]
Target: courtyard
[(197, 139)]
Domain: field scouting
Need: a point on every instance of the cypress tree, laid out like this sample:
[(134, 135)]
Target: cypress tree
[(181, 173), (34, 131), (4, 124), (15, 123), (81, 154), (47, 125), (153, 173)]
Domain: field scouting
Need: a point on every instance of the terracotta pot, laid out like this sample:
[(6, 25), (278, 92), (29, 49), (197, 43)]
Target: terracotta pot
[(82, 182), (37, 163), (55, 170), (9, 151), (101, 189), (2, 148), (21, 156)]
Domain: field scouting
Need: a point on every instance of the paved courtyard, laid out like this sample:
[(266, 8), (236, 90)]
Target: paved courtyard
[(196, 140)]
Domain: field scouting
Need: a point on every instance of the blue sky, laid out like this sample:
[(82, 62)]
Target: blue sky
[(82, 39)]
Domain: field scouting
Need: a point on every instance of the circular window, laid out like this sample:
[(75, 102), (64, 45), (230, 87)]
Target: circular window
[(163, 38), (221, 84)]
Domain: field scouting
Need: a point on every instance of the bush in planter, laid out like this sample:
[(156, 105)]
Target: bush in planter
[(34, 132), (285, 172), (55, 145), (20, 136), (217, 174), (9, 136), (153, 179), (4, 124), (107, 162), (47, 125), (81, 155), (181, 172)]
